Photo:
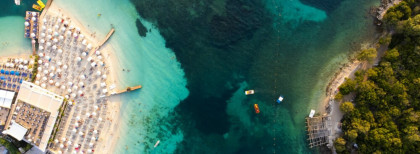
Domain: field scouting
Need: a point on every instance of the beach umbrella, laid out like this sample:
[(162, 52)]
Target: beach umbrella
[(101, 63), (59, 20), (51, 82), (51, 74), (26, 23), (57, 84), (12, 65), (94, 113), (31, 62), (38, 76), (65, 67), (33, 19), (20, 60), (66, 22), (77, 29), (97, 52), (47, 57), (63, 139), (67, 96), (82, 77), (98, 73), (71, 27), (46, 64), (33, 35), (25, 67), (40, 62), (84, 54), (54, 47), (100, 119), (45, 71), (43, 85), (74, 130), (78, 59), (104, 76), (75, 87), (59, 63), (61, 146), (55, 40), (95, 132), (55, 34), (42, 41), (56, 26), (42, 34), (87, 114), (96, 107), (52, 68), (7, 65), (104, 91), (61, 37), (49, 30), (63, 87), (93, 64), (89, 46), (90, 144), (70, 83), (78, 118), (69, 90), (75, 34), (49, 37), (41, 48), (41, 54), (84, 42), (81, 84), (68, 33), (59, 51), (37, 82), (48, 44), (80, 92), (63, 29), (59, 152), (70, 103), (56, 141), (44, 78), (68, 142), (82, 36), (16, 60), (76, 145), (33, 13), (89, 58), (80, 133), (99, 57), (59, 70), (20, 66), (73, 95)]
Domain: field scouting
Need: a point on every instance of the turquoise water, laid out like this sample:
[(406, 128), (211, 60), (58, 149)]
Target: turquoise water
[(196, 57)]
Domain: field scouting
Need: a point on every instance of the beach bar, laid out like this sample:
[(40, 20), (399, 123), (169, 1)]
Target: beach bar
[(318, 130)]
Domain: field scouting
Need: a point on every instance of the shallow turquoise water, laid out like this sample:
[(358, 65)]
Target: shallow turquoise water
[(197, 58)]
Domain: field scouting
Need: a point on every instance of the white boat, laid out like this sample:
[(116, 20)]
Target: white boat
[(311, 114), (17, 2), (249, 92), (157, 143), (280, 99)]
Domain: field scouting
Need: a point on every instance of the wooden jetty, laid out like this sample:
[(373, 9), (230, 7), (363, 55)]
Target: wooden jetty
[(106, 38), (319, 129), (30, 29), (128, 89), (45, 9)]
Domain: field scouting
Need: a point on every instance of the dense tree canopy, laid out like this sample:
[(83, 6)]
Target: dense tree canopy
[(385, 117)]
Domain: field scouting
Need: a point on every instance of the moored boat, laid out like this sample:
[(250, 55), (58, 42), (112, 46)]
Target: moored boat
[(280, 99), (257, 109), (312, 113), (249, 92), (157, 143)]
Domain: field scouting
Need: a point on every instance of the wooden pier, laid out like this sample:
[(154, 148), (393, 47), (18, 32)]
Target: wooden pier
[(105, 39), (128, 89), (318, 130)]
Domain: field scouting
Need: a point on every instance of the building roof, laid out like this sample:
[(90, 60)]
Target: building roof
[(16, 131), (6, 98)]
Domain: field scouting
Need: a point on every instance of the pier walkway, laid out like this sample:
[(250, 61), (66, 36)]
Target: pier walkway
[(49, 2), (127, 90), (105, 39)]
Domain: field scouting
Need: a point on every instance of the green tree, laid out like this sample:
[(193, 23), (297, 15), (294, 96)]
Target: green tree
[(346, 107), (351, 134), (340, 144), (367, 55), (391, 55), (348, 86)]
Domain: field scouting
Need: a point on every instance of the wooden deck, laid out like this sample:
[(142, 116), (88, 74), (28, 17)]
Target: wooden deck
[(128, 89), (318, 130), (106, 38)]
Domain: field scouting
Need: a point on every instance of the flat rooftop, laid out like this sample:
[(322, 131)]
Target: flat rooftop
[(37, 110)]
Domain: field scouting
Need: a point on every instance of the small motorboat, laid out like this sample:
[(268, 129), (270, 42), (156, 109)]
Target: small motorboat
[(157, 143), (312, 113), (249, 92), (280, 99), (257, 109)]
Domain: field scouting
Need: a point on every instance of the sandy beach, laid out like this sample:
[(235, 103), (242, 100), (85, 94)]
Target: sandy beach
[(109, 133)]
